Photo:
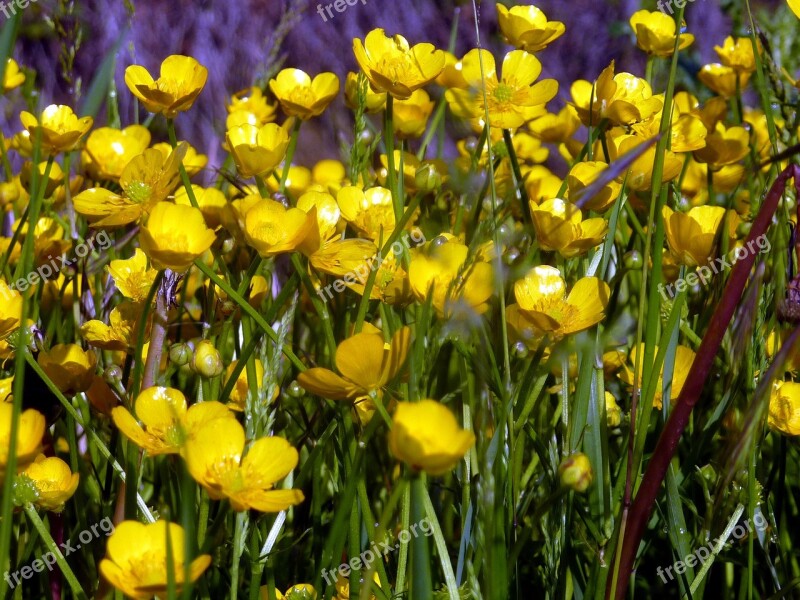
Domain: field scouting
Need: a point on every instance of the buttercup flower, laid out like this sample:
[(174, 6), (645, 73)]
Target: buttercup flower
[(684, 357), (795, 6), (145, 181), (30, 431), (411, 115), (584, 174), (10, 309), (108, 151), (257, 151), (510, 99), (370, 211), (784, 408), (12, 77), (181, 81), (60, 129), (252, 101), (640, 174), (214, 457), (722, 79), (737, 54), (560, 226), (136, 559), (655, 33), (120, 332), (691, 236), (724, 146), (427, 437), (576, 472), (238, 398), (302, 97), (273, 229), (543, 307), (69, 366), (192, 160), (555, 128), (211, 202), (527, 27), (394, 67), (132, 276), (54, 482), (175, 236)]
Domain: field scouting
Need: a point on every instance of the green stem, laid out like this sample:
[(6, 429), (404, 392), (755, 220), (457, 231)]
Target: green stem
[(287, 163), (173, 140)]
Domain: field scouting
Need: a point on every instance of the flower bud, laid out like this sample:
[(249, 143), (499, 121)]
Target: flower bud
[(9, 193), (427, 178), (180, 354), (207, 360), (576, 472), (613, 411)]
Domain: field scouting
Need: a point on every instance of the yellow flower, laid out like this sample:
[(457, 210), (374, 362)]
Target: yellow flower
[(684, 357), (10, 309), (722, 80), (509, 99), (214, 457), (613, 411), (273, 229), (687, 132), (30, 431), (691, 236), (166, 422), (426, 436), (541, 183), (375, 101), (795, 6), (257, 151), (784, 407), (252, 100), (241, 389), (108, 151), (210, 200), (329, 174), (556, 128), (738, 54), (640, 174), (302, 97), (543, 307), (451, 76), (13, 77), (655, 33), (394, 67), (560, 226), (136, 562), (181, 80), (119, 333), (60, 129), (527, 27), (54, 482), (443, 270), (411, 115), (146, 180), (193, 161), (132, 276), (342, 586), (175, 236), (69, 366), (366, 364), (370, 212), (724, 146), (576, 472), (584, 174), (622, 98)]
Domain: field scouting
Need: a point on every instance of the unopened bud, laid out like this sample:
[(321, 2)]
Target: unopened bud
[(180, 354), (576, 472), (427, 178), (207, 360)]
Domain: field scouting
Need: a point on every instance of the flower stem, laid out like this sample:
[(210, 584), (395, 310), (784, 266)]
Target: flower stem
[(287, 163)]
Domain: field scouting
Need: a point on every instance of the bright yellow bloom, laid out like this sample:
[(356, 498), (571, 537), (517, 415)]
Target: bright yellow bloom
[(584, 174), (181, 80), (342, 586), (394, 67), (60, 129), (622, 98), (108, 151), (302, 97), (576, 472), (795, 6), (527, 27), (120, 333), (613, 411), (510, 98), (132, 276), (192, 161), (210, 200), (722, 79), (370, 212), (738, 54), (411, 115), (784, 407), (136, 562), (252, 100), (366, 363), (691, 236), (146, 180), (375, 101), (687, 131), (328, 174), (214, 457), (175, 236), (69, 366), (560, 226), (10, 309), (543, 307), (426, 436), (451, 76), (166, 422), (54, 482), (640, 174), (684, 357), (30, 431), (541, 183), (13, 77), (655, 33), (724, 146), (443, 270), (273, 229), (556, 128), (257, 151), (241, 389)]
